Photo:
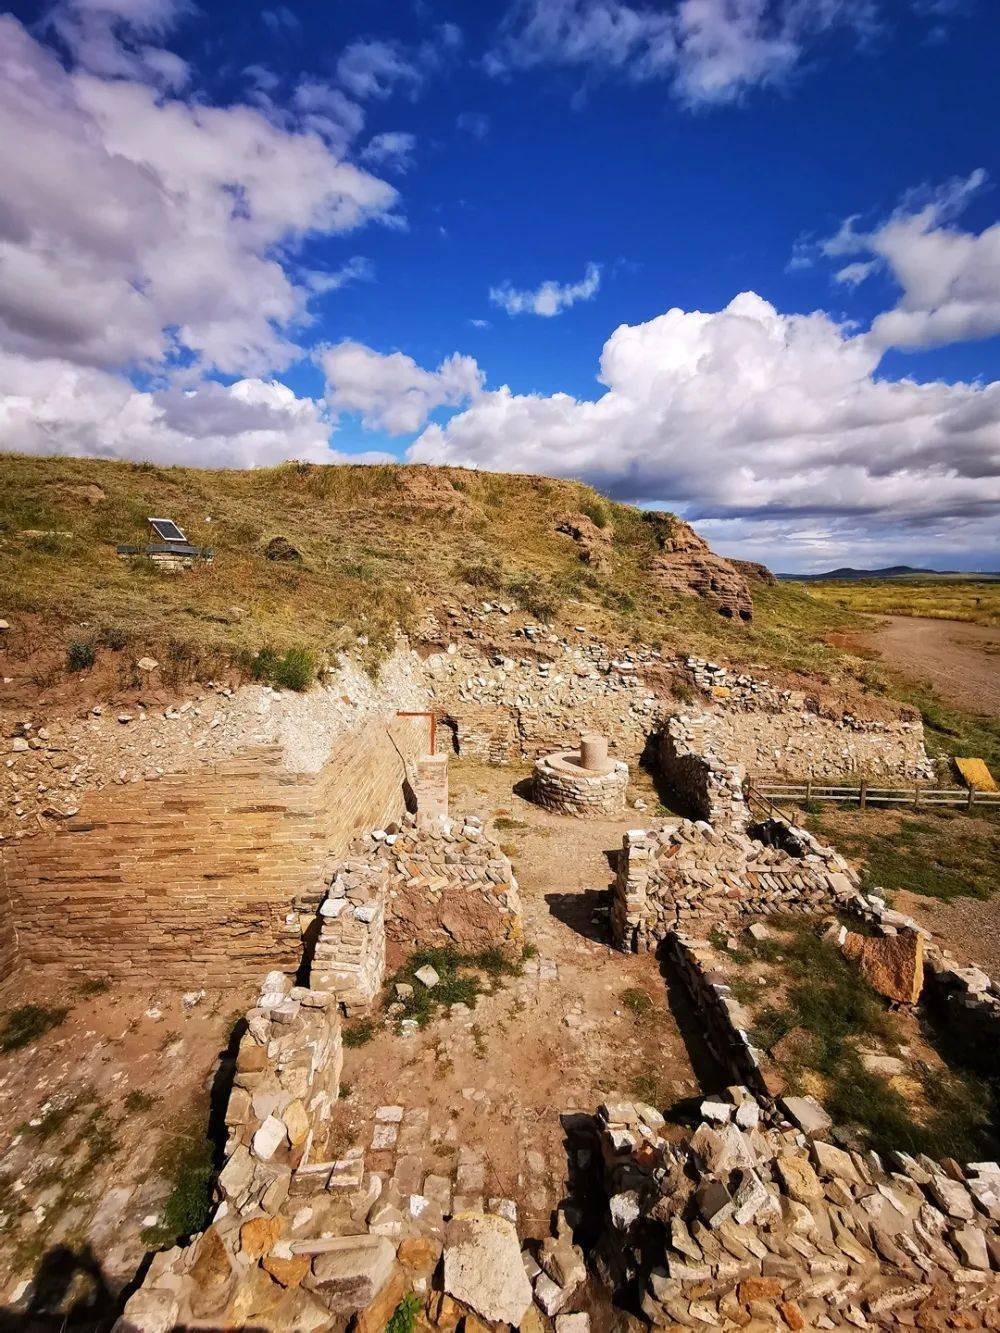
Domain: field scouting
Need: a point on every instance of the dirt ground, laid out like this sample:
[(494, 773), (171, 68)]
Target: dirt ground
[(961, 661), (490, 1086), (84, 1112)]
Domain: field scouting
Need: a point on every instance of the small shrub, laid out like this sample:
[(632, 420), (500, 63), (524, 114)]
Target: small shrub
[(404, 1317), (596, 512), (138, 1101), (639, 1002), (28, 1023), (79, 655), (359, 1033)]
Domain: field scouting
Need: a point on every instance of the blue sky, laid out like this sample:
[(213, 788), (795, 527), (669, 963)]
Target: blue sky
[(446, 161)]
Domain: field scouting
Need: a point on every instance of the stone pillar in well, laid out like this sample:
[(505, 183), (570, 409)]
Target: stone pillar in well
[(594, 752), (430, 786)]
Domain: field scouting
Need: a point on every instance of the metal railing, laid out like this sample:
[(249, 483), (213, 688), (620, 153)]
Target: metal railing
[(768, 791)]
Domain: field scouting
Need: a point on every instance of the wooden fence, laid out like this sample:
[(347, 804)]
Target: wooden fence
[(771, 792)]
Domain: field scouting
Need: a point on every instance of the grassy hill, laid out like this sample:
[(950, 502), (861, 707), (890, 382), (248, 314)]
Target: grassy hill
[(373, 547)]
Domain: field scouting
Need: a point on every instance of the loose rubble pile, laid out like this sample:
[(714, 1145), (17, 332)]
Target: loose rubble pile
[(694, 876), (560, 783), (760, 1220), (448, 882)]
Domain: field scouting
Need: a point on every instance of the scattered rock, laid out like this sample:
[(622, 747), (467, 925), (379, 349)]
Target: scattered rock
[(483, 1267)]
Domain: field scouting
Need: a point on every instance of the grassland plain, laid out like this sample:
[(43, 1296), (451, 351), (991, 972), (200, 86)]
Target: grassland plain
[(976, 601)]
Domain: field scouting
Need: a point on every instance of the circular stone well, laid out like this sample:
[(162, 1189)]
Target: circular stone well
[(583, 782)]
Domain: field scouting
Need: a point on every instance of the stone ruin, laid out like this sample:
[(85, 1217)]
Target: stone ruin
[(694, 876), (583, 782)]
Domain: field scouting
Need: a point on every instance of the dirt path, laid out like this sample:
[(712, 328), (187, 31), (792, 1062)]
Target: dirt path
[(961, 661), (484, 1094), (968, 927)]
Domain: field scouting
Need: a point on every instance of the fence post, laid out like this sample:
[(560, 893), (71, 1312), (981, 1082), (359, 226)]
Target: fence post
[(916, 795), (863, 793), (809, 789), (972, 797)]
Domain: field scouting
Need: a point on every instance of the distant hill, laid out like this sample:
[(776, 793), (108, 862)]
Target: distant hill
[(846, 573)]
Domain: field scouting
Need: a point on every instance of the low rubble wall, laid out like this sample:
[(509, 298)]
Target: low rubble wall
[(191, 877), (507, 709), (693, 877), (787, 733)]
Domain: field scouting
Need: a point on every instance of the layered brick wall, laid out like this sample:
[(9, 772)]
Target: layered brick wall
[(192, 876)]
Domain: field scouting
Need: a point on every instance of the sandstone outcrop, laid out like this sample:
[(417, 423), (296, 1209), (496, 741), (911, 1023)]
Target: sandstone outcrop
[(687, 564), (594, 543)]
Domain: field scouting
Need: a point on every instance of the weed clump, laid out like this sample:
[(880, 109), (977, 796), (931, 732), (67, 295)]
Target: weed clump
[(27, 1023), (359, 1033), (463, 978), (639, 1002), (294, 669), (404, 1317), (79, 655)]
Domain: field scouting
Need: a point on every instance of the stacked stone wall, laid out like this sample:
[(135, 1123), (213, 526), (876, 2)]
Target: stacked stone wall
[(349, 956), (694, 877), (705, 784), (769, 730), (507, 710), (192, 876)]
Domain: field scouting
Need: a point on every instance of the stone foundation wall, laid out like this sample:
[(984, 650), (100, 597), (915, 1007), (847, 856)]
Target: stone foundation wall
[(506, 710), (704, 783), (448, 883), (560, 785), (694, 877), (192, 876)]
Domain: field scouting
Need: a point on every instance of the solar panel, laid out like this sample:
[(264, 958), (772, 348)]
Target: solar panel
[(167, 530)]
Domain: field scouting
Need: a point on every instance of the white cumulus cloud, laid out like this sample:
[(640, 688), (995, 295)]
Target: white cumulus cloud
[(391, 392), (949, 278), (50, 406), (549, 299), (750, 414), (157, 224)]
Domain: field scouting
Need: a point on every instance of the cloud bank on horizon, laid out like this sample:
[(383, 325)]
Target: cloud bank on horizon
[(158, 277)]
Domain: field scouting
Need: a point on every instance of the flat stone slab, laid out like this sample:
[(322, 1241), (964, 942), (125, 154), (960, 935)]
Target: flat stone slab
[(483, 1267)]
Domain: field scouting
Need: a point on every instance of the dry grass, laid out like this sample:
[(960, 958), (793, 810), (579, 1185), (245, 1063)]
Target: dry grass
[(975, 601), (377, 544)]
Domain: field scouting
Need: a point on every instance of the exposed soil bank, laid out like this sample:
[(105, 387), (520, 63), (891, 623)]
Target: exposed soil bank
[(961, 661)]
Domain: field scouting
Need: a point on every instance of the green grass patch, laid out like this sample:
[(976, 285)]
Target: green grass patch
[(27, 1023), (463, 978), (828, 1011), (359, 1032), (506, 824), (93, 986), (294, 669), (637, 1001), (187, 1160), (941, 853), (79, 655)]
